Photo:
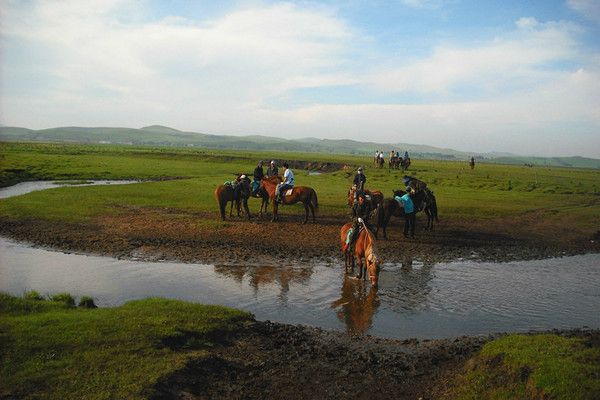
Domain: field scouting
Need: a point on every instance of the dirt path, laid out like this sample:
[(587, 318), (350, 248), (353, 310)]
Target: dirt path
[(170, 234)]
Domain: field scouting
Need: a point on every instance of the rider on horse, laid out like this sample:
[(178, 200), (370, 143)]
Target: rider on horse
[(258, 175), (288, 182), (359, 183), (362, 210), (272, 170)]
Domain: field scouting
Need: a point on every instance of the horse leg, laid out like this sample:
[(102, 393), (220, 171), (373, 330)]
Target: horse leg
[(231, 209), (274, 212), (306, 212), (222, 206), (246, 208), (360, 267), (312, 211)]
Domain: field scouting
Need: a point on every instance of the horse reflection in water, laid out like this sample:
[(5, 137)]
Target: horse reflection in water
[(357, 305), (267, 275)]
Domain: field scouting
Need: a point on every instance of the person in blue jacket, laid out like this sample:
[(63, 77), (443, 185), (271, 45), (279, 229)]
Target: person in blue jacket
[(409, 212)]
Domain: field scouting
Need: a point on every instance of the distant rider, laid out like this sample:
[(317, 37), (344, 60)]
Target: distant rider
[(288, 181), (362, 210)]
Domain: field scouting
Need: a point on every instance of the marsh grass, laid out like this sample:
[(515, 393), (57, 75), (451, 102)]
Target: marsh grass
[(50, 350)]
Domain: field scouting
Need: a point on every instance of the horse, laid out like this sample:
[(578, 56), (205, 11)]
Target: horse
[(225, 193), (424, 200), (262, 194), (395, 162), (303, 194), (404, 163), (376, 198), (364, 249)]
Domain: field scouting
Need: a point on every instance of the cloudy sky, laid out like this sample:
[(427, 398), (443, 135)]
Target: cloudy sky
[(522, 77)]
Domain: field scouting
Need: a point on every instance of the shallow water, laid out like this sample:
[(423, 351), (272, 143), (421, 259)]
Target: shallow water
[(426, 301), (27, 187)]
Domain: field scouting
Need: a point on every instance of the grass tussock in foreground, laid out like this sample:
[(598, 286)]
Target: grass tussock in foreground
[(531, 367), (50, 349)]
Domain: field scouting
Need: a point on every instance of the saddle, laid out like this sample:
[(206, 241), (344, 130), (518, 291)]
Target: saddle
[(288, 192)]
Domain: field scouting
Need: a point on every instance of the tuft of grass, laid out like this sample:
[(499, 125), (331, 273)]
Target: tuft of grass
[(33, 295), (63, 298), (51, 351), (532, 366)]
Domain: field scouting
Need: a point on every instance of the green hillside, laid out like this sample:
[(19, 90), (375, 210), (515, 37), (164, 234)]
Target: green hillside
[(157, 135)]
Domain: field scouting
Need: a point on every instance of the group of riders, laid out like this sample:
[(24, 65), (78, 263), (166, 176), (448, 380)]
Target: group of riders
[(396, 161), (259, 174), (363, 207)]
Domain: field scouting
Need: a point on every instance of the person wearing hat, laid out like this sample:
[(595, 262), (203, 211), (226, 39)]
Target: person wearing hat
[(258, 175), (359, 182), (272, 170), (409, 212)]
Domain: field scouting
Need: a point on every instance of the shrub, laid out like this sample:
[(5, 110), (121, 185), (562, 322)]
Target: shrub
[(87, 302), (64, 298)]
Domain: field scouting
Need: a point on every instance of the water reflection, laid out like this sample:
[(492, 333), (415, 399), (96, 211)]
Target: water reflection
[(409, 288), (258, 276), (357, 305)]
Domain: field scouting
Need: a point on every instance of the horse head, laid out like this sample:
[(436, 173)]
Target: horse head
[(351, 192), (373, 268)]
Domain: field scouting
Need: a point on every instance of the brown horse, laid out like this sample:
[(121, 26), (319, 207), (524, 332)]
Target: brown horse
[(364, 249), (225, 194), (376, 197), (303, 194)]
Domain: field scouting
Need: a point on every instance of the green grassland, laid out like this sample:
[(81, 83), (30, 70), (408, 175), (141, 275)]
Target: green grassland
[(488, 191), (532, 367), (50, 350)]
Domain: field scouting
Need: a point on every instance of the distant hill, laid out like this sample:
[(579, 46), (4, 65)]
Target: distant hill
[(158, 135)]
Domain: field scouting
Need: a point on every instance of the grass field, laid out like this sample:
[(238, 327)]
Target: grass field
[(50, 350), (488, 191)]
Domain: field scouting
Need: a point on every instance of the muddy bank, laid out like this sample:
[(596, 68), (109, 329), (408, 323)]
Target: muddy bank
[(170, 234), (269, 360)]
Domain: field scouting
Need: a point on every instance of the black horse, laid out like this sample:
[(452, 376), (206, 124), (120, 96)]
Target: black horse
[(424, 200)]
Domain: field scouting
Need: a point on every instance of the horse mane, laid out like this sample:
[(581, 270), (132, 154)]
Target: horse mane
[(372, 240)]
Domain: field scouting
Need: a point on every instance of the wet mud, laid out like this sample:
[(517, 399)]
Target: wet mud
[(276, 361)]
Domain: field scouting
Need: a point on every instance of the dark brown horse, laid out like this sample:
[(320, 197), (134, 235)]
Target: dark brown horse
[(226, 193), (364, 249), (424, 200), (303, 194), (376, 198)]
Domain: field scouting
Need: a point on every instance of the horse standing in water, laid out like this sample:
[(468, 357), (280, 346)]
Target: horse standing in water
[(303, 194), (225, 194), (364, 249)]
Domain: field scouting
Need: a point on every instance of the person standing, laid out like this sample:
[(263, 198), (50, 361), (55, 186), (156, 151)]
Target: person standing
[(272, 170), (472, 163), (409, 212)]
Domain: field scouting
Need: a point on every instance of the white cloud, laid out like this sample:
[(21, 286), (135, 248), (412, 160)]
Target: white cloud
[(588, 8), (520, 59)]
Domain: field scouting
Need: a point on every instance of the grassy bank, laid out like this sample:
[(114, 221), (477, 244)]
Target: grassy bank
[(532, 367), (49, 349), (489, 191)]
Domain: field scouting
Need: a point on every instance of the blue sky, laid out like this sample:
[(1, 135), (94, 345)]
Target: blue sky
[(480, 76)]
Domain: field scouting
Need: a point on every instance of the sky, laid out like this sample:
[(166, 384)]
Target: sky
[(479, 76)]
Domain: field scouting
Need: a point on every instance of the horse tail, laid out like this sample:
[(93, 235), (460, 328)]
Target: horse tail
[(314, 200), (219, 197), (433, 206)]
